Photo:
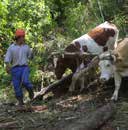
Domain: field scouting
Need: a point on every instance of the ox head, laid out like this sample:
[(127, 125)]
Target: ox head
[(64, 61), (106, 64), (60, 66)]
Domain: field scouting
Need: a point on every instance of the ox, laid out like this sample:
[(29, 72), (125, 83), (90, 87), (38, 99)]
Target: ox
[(115, 64), (101, 38)]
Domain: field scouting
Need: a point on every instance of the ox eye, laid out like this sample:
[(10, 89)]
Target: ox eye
[(108, 65)]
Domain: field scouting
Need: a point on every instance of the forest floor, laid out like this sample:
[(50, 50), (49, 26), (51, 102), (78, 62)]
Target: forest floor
[(60, 112)]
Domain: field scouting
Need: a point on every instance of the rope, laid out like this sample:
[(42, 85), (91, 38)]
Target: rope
[(101, 12)]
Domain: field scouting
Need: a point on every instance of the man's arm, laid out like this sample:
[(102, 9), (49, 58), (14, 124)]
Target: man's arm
[(8, 59)]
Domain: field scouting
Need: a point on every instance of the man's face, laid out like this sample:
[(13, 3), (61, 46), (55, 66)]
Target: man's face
[(21, 40)]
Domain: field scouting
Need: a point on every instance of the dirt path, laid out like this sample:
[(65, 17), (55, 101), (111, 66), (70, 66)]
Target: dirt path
[(64, 111)]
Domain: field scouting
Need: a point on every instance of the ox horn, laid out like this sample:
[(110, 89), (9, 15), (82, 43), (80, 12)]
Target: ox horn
[(116, 55)]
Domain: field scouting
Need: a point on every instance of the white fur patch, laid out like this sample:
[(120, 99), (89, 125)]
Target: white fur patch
[(106, 25), (92, 46)]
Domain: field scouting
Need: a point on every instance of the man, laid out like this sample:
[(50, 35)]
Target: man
[(17, 57)]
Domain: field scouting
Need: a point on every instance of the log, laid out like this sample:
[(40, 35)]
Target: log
[(91, 65), (95, 120), (72, 54), (65, 81), (9, 125), (92, 83), (31, 108), (79, 54)]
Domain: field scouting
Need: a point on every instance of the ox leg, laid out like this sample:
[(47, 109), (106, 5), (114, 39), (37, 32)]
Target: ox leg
[(117, 78), (74, 79), (82, 83), (82, 78)]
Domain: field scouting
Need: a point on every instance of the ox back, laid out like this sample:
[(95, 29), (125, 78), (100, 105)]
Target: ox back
[(96, 41)]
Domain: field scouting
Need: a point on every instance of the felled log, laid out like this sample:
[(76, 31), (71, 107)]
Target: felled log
[(65, 81), (108, 126), (92, 83), (9, 125), (79, 54), (95, 120), (62, 83), (91, 65), (31, 108), (72, 54)]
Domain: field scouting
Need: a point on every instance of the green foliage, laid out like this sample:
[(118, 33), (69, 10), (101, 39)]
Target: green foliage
[(80, 18)]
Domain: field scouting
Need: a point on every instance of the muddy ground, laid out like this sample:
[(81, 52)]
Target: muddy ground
[(61, 112)]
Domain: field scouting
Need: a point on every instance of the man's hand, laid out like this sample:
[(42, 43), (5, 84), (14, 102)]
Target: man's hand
[(8, 69)]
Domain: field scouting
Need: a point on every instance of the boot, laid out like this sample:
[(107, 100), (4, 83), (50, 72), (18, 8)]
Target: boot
[(31, 93), (20, 101)]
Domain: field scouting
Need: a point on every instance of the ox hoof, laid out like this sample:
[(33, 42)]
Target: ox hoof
[(114, 98), (81, 90), (70, 90)]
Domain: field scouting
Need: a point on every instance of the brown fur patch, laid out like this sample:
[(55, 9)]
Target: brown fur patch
[(101, 35), (72, 48), (76, 47)]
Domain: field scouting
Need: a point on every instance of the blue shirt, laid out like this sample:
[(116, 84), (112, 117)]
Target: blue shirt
[(18, 54)]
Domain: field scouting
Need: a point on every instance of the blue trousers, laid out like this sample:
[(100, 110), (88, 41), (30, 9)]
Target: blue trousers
[(20, 76)]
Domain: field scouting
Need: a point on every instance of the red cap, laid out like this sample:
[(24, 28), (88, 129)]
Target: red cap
[(20, 33)]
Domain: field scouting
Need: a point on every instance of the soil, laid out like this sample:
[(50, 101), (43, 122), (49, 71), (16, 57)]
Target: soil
[(61, 112)]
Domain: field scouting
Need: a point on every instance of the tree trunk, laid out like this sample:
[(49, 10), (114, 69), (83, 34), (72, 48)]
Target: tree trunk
[(95, 120), (56, 86), (9, 125)]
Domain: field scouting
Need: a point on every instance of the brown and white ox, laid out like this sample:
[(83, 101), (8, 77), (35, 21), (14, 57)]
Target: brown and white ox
[(98, 40), (115, 64)]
